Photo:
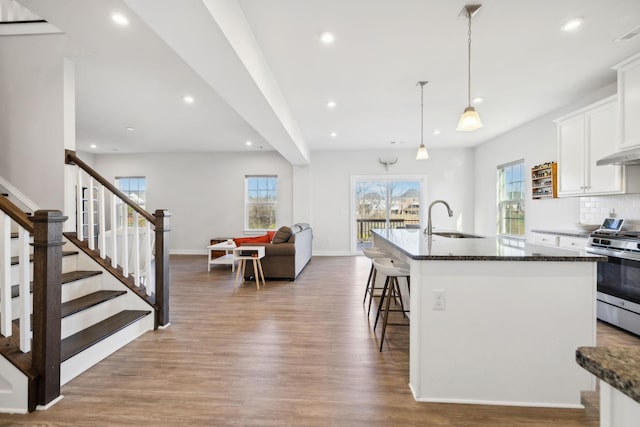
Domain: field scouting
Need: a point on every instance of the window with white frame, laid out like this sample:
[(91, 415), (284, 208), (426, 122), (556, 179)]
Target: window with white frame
[(260, 202), (135, 187), (510, 187)]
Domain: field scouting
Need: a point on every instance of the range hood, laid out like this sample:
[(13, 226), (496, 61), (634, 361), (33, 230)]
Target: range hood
[(627, 157)]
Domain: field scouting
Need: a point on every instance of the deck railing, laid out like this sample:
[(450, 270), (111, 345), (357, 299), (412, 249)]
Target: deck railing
[(364, 226)]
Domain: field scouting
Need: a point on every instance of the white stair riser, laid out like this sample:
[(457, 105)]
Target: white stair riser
[(68, 265), (83, 361), (82, 287), (84, 319)]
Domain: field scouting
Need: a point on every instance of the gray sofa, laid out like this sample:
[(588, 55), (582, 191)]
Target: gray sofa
[(287, 254)]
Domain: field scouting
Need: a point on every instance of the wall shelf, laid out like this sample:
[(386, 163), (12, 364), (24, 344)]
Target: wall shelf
[(544, 181)]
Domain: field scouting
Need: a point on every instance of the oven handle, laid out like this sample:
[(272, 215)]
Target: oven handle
[(613, 253)]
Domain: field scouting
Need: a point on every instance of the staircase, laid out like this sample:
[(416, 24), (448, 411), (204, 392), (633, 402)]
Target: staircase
[(100, 308)]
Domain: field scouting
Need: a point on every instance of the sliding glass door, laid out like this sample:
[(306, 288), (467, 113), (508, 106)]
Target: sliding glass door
[(383, 202)]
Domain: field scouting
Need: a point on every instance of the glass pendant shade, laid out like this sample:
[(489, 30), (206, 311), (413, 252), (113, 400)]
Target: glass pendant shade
[(422, 153), (470, 120)]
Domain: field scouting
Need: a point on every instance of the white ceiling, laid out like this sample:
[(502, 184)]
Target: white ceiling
[(259, 72)]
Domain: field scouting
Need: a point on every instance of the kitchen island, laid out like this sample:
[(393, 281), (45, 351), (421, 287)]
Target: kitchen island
[(496, 321)]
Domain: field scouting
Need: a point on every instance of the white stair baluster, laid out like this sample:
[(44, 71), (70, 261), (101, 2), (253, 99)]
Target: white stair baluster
[(114, 230), (125, 240), (79, 210), (102, 225), (25, 291), (148, 283), (136, 248), (5, 274), (90, 215)]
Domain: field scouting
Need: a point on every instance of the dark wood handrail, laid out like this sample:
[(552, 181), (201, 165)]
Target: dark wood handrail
[(16, 214), (70, 158)]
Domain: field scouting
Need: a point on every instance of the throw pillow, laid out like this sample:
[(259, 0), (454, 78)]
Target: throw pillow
[(282, 235), (248, 240), (271, 234)]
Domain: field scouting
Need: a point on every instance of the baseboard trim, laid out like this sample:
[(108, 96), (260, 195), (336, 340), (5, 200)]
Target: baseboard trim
[(14, 192), (187, 252), (335, 253)]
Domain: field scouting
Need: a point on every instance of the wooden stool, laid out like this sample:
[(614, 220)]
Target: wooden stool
[(371, 253), (392, 269)]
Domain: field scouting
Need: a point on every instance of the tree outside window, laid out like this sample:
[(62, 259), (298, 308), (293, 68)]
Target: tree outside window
[(135, 187), (511, 186), (261, 202)]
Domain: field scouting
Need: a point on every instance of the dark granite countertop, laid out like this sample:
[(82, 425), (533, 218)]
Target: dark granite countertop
[(569, 233), (416, 245), (617, 366)]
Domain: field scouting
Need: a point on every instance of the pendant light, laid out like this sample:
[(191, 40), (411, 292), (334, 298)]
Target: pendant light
[(470, 120), (422, 150)]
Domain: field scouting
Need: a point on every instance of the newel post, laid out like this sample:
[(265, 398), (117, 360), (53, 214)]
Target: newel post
[(47, 302), (162, 266)]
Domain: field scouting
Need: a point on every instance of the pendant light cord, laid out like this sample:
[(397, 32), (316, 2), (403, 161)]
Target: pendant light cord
[(469, 63), (421, 115)]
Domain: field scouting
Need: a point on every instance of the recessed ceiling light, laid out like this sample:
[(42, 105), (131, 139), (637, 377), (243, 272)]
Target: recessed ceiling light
[(93, 146), (331, 104), (129, 128), (327, 37), (248, 143), (333, 134), (436, 132), (188, 99), (477, 100), (120, 19), (572, 24)]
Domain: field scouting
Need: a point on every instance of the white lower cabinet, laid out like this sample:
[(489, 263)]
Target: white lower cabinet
[(573, 243), (564, 242), (545, 239)]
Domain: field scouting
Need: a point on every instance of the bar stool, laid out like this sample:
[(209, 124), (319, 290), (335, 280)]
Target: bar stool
[(371, 253), (392, 269)]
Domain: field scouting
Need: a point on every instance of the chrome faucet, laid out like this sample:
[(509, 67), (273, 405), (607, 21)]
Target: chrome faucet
[(428, 230)]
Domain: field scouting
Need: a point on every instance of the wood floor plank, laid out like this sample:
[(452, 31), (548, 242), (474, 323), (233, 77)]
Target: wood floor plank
[(292, 354)]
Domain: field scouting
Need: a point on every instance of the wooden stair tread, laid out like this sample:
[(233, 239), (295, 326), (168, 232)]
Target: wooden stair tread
[(84, 302), (14, 260), (84, 339), (74, 276), (69, 277)]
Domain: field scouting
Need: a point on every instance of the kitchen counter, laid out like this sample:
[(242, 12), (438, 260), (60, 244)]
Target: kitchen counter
[(416, 245), (486, 331), (618, 370), (617, 366), (569, 233)]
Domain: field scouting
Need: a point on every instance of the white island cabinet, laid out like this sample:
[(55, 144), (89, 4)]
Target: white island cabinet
[(509, 324)]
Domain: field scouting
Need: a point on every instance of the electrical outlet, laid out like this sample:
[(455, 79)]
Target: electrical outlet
[(439, 299)]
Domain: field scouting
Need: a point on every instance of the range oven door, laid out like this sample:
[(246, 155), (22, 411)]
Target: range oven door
[(620, 277)]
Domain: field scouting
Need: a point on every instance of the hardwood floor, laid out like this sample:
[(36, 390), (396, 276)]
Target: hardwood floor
[(292, 354)]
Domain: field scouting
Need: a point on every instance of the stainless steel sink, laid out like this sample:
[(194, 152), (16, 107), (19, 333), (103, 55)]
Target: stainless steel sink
[(455, 235)]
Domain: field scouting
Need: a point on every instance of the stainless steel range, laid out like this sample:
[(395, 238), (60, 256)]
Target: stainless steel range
[(619, 278)]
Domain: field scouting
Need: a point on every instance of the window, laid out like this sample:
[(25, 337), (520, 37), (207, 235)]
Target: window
[(261, 202), (135, 187), (511, 199)]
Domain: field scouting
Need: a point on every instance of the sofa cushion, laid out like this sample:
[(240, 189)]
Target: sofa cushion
[(282, 235), (271, 233), (248, 240)]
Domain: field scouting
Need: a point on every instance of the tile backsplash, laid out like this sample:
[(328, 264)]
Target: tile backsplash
[(594, 209)]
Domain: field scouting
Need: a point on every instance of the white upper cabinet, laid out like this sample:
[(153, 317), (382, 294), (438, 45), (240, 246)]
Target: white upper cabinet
[(584, 137), (629, 102)]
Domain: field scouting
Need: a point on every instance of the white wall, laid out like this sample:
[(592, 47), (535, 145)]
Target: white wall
[(32, 89), (535, 142), (204, 192), (449, 176)]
